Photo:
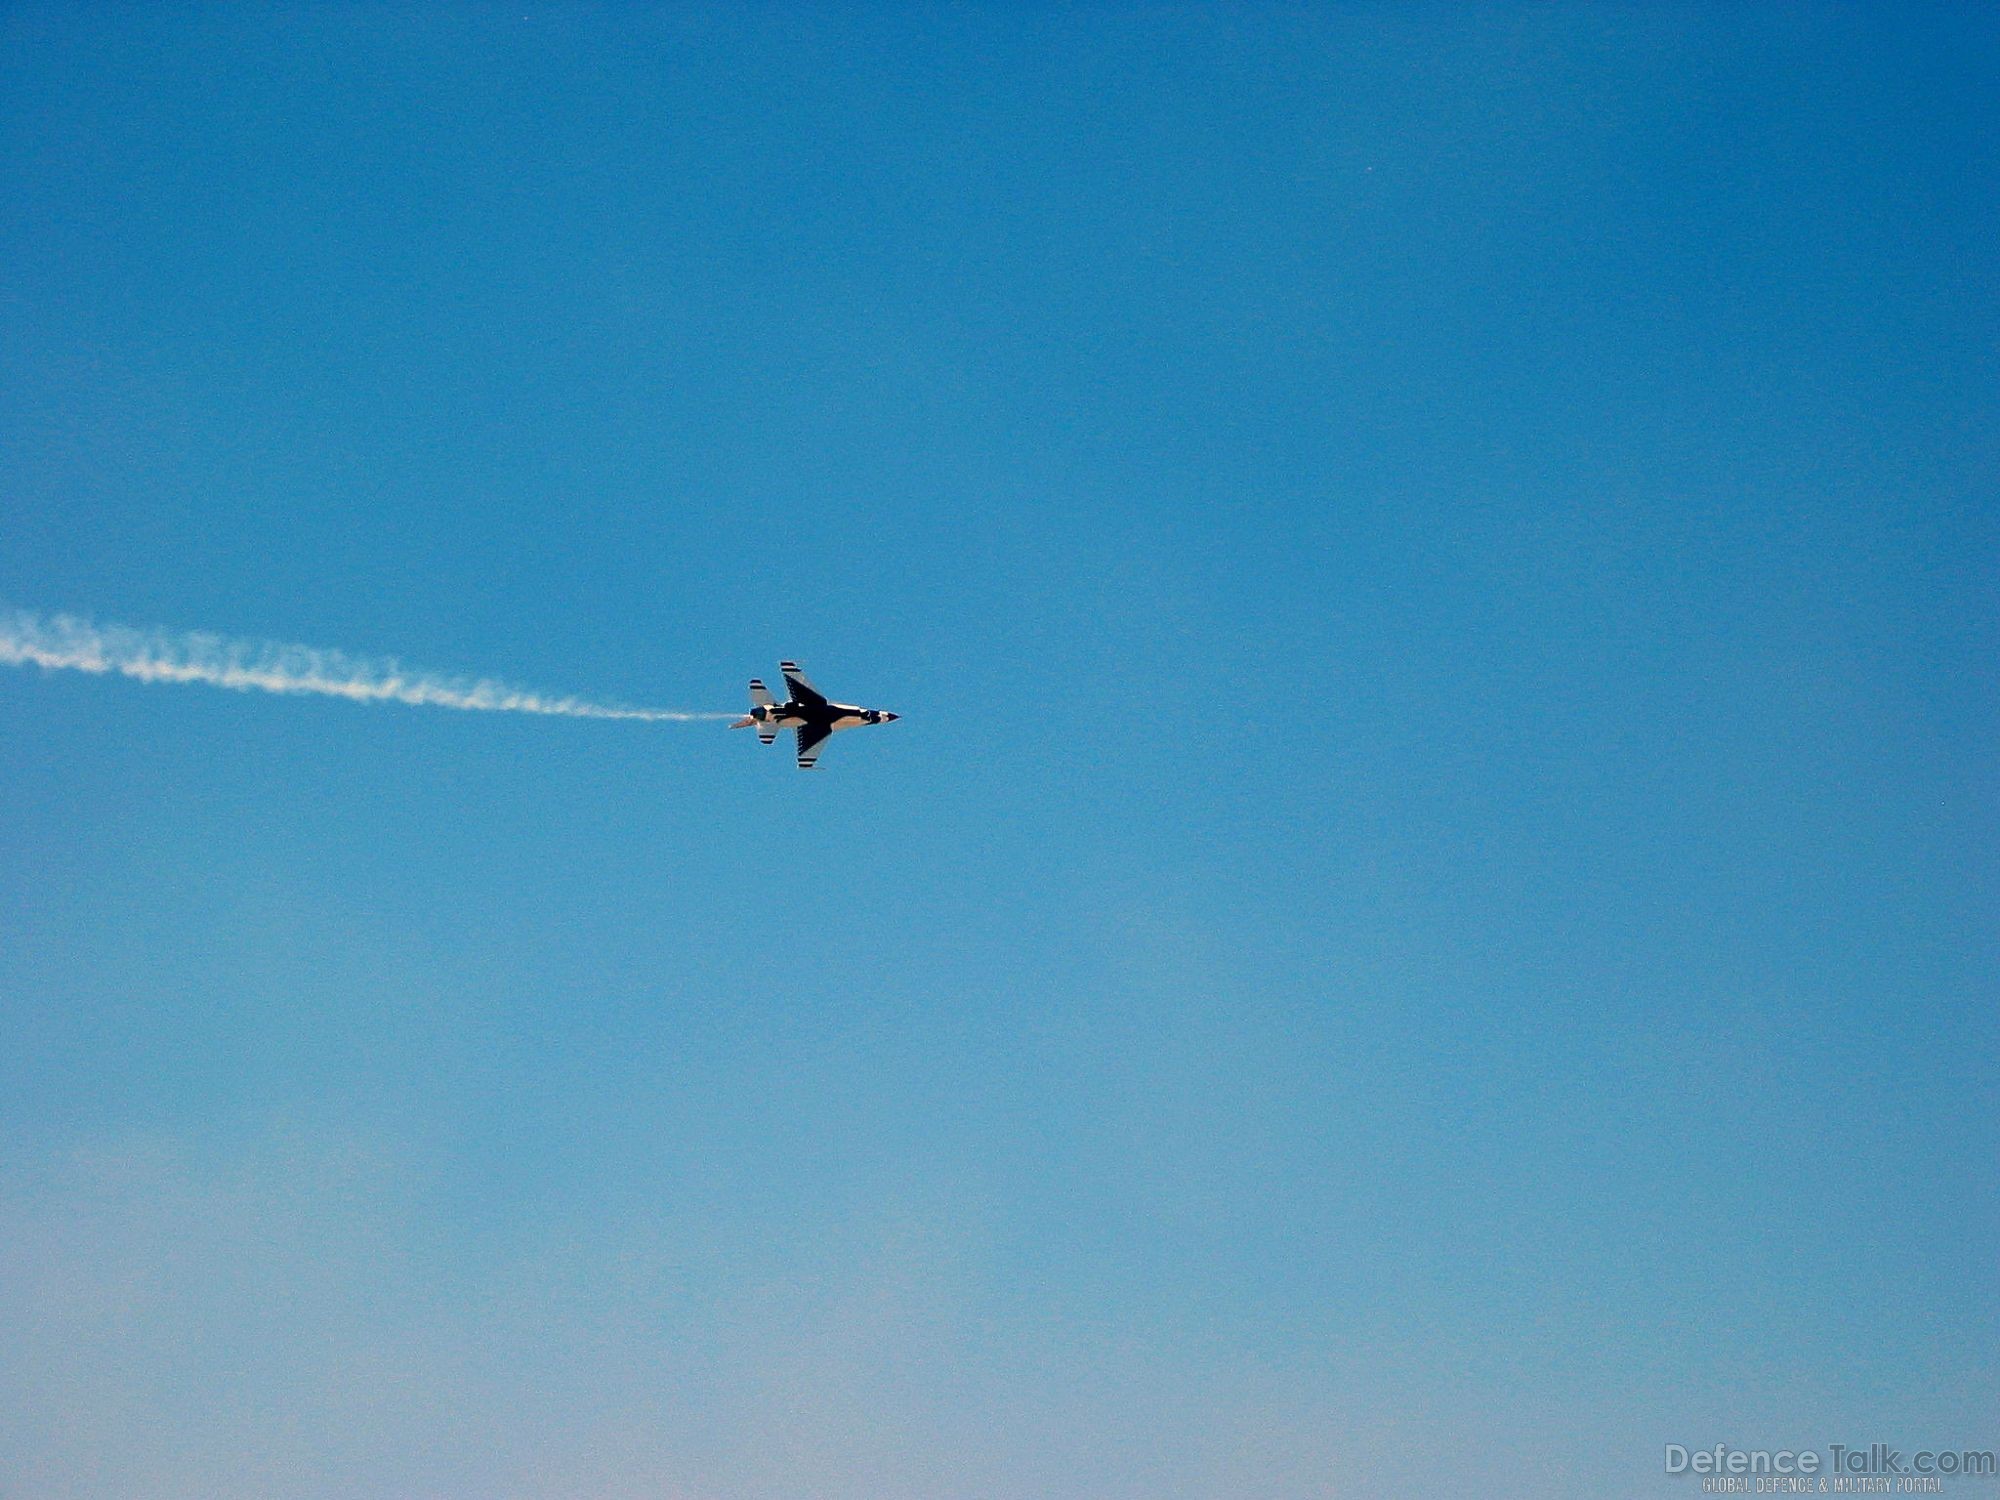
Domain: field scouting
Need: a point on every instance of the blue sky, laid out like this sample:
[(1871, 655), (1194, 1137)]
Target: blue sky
[(1427, 929)]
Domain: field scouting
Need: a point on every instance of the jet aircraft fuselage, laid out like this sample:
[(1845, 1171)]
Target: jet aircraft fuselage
[(807, 712)]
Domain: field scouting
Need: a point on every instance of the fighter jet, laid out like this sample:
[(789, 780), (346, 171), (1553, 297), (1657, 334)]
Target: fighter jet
[(806, 712)]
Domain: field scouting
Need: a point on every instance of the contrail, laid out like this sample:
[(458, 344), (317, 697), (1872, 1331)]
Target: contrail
[(68, 643)]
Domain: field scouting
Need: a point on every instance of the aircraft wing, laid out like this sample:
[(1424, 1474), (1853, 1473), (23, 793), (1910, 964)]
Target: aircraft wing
[(802, 691), (811, 737)]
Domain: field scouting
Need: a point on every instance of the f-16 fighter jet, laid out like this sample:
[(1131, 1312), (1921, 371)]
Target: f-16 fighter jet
[(806, 712)]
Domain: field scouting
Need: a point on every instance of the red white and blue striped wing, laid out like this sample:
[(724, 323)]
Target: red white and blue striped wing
[(811, 738), (802, 690)]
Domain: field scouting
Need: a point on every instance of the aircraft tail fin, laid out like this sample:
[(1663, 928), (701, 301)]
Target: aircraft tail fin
[(759, 694)]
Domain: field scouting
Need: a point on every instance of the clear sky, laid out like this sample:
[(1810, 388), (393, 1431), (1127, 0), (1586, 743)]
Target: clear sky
[(1428, 928)]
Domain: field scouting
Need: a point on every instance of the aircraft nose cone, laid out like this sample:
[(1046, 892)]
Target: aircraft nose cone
[(889, 718)]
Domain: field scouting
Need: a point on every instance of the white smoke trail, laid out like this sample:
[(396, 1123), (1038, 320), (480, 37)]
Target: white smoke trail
[(68, 643)]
